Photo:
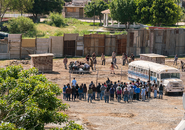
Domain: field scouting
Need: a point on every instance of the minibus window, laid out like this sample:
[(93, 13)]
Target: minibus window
[(165, 76), (175, 75)]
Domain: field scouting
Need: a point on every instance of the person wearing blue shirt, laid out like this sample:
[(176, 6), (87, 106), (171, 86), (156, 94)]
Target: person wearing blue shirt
[(112, 93), (64, 92), (134, 87), (74, 82), (80, 92), (137, 91)]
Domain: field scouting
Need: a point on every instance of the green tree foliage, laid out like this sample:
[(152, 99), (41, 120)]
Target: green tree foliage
[(45, 7), (94, 8), (21, 25), (4, 6), (22, 5), (123, 11), (157, 12), (143, 11), (165, 12), (29, 100), (56, 19)]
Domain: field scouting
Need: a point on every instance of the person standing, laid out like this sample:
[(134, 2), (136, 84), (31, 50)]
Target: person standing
[(161, 91), (73, 93), (125, 58), (114, 61), (182, 66), (115, 86), (94, 60), (102, 91), (74, 82), (175, 59), (65, 62), (84, 91), (112, 93), (119, 92), (77, 87), (149, 89), (137, 91), (64, 92), (103, 59), (113, 55), (98, 91), (132, 57), (131, 93), (94, 91), (87, 58), (80, 92), (143, 93), (91, 64), (155, 91), (68, 92), (90, 92), (126, 93), (107, 93), (112, 68)]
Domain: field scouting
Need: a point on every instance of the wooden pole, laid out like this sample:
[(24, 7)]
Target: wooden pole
[(97, 77), (8, 51), (36, 45), (121, 73), (70, 79), (20, 47)]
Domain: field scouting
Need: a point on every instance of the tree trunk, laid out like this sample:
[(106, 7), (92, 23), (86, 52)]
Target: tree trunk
[(126, 26)]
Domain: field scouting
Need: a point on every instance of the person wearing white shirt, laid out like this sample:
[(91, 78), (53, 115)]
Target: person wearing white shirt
[(74, 82)]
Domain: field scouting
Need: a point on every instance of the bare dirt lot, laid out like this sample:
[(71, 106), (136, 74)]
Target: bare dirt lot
[(153, 114)]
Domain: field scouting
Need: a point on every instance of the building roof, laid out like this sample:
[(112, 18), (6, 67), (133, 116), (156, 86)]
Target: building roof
[(153, 66), (39, 55), (153, 55), (106, 11)]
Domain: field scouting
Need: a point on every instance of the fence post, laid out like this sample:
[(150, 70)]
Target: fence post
[(97, 77), (121, 73), (69, 78)]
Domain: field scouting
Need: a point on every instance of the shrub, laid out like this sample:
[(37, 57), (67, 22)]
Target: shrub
[(56, 19), (58, 33), (21, 25), (29, 101)]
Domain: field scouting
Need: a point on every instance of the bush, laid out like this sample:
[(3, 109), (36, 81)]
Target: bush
[(21, 25), (29, 101), (56, 19)]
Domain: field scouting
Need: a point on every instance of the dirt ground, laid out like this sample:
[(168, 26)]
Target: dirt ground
[(153, 114)]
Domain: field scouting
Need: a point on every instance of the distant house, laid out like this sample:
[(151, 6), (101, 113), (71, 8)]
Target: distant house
[(74, 9)]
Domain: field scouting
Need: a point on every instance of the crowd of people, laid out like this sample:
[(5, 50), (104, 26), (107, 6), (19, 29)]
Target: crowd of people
[(110, 91)]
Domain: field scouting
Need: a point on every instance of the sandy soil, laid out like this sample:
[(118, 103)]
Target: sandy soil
[(152, 114)]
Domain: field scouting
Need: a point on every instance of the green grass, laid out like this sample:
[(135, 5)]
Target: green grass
[(72, 25)]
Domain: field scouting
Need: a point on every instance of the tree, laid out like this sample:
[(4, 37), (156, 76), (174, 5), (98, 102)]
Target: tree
[(123, 11), (22, 5), (143, 11), (94, 8), (4, 6), (157, 12), (45, 7), (165, 12), (28, 100)]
